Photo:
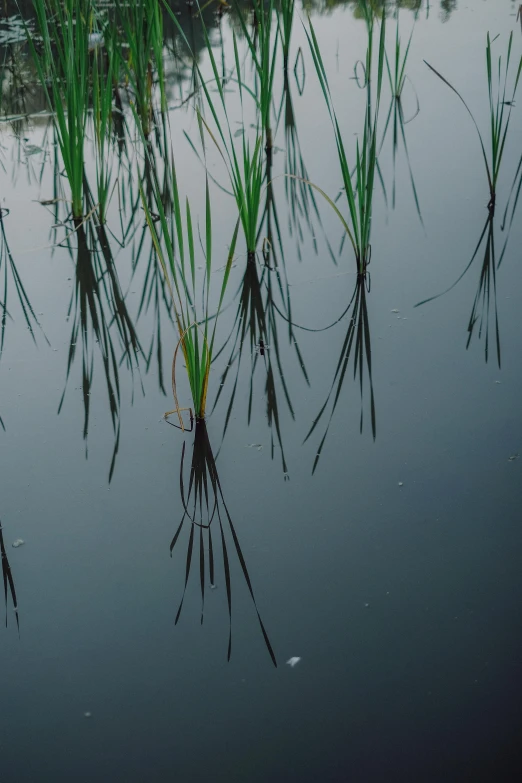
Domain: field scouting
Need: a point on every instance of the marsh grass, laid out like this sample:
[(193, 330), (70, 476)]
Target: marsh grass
[(61, 57), (359, 194), (103, 76), (141, 22), (9, 585), (204, 509), (262, 44), (174, 238), (285, 10), (245, 166), (500, 105)]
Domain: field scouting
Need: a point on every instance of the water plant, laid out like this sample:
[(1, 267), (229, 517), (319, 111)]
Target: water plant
[(262, 43), (245, 167), (61, 56), (102, 112), (285, 10), (358, 194), (500, 106), (174, 242), (141, 22)]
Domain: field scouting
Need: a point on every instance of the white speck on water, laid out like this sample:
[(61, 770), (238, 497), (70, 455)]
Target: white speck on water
[(367, 605), (87, 714), (395, 310), (18, 542), (293, 661), (513, 457), (498, 381), (401, 484), (213, 587)]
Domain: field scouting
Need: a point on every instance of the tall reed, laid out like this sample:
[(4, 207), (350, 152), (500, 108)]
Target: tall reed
[(142, 25), (174, 241), (500, 106), (61, 58), (359, 194)]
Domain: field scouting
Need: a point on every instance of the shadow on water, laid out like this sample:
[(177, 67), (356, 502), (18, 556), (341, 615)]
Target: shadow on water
[(204, 506), (356, 346), (9, 585), (484, 311)]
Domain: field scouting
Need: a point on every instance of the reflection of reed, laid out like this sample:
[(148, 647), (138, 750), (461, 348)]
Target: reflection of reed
[(204, 506), (99, 313), (484, 308), (256, 327), (8, 580), (357, 342), (8, 270)]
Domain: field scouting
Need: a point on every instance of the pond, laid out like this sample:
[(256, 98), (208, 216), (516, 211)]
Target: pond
[(342, 496)]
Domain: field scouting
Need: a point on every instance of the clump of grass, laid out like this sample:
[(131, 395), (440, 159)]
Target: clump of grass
[(500, 106), (61, 58), (263, 45), (142, 24), (245, 167), (102, 97), (174, 241), (359, 194), (285, 10)]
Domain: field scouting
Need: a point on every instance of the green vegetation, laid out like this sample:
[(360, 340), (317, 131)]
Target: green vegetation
[(500, 105), (359, 195), (174, 241), (61, 57)]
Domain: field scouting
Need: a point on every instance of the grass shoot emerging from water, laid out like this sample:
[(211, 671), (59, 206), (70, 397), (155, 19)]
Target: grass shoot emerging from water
[(500, 106), (359, 195), (173, 235)]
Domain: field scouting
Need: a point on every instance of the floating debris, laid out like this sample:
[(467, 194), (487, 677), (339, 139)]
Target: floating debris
[(87, 714), (213, 587), (18, 542), (401, 484), (293, 661), (513, 457), (395, 311)]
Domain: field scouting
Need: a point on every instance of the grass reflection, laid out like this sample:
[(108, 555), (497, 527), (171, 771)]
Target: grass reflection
[(204, 509)]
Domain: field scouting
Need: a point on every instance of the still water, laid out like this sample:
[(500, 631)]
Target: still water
[(393, 571)]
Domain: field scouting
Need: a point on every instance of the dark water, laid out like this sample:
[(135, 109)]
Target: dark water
[(393, 573)]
